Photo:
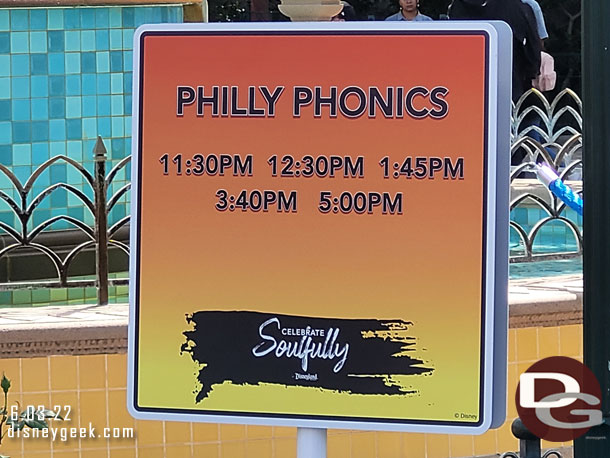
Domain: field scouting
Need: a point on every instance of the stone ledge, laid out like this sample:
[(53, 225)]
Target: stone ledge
[(550, 301), (63, 330), (48, 347), (91, 329)]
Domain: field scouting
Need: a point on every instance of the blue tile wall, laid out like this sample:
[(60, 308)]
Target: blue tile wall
[(554, 236), (65, 78)]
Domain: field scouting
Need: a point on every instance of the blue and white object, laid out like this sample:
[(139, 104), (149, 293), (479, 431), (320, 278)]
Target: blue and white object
[(552, 181)]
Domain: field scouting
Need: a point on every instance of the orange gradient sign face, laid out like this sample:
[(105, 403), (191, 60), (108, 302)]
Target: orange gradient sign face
[(311, 226)]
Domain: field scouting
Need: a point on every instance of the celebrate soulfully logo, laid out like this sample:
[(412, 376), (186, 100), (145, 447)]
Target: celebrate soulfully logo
[(314, 344), (360, 356)]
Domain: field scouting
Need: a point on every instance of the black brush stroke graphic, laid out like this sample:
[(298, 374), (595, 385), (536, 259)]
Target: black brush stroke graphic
[(223, 342)]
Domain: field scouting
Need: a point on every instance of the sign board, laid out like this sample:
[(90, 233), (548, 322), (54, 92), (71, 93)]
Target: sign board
[(314, 225)]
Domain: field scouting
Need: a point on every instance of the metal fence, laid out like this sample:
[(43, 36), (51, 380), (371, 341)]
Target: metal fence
[(551, 133), (98, 237), (541, 131)]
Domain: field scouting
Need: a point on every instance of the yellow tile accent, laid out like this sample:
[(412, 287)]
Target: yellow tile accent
[(179, 451), (13, 399), (570, 341), (548, 342), (233, 450), (149, 432), (485, 444), (118, 417), (35, 373), (437, 446), (512, 382), (260, 447), (117, 371), (339, 445), (32, 443), (206, 451), (205, 432), (11, 446), (232, 432), (104, 391), (94, 453), (461, 446), (414, 445), (11, 368), (92, 372), (70, 443), (512, 345), (546, 445), (389, 445), (93, 409), (123, 453), (522, 367), (285, 448), (177, 432), (151, 452), (259, 432), (67, 404), (35, 400), (506, 441), (527, 344), (63, 373), (121, 442), (284, 431), (363, 445), (512, 377)]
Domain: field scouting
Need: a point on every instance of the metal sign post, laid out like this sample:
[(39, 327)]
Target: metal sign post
[(596, 158), (311, 443)]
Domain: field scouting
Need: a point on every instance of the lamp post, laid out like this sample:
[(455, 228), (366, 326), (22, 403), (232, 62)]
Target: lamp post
[(596, 157)]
